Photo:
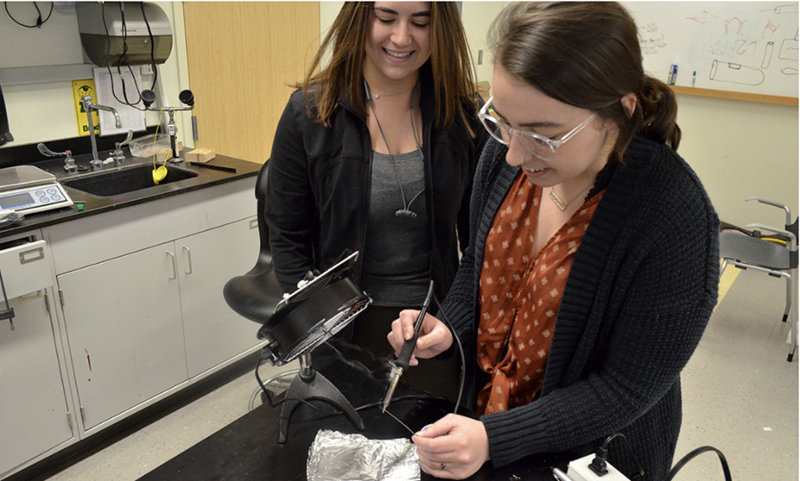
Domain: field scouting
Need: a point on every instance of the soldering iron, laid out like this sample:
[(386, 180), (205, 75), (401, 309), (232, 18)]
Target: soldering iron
[(401, 363)]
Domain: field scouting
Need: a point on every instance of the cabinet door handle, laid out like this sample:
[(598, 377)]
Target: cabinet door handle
[(254, 224), (174, 266), (30, 297), (189, 259), (31, 255)]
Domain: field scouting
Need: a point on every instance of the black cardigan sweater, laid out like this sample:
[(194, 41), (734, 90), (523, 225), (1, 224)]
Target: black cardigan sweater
[(641, 290), (317, 200)]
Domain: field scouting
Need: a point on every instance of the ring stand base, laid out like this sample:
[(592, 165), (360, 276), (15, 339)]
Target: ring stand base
[(310, 384)]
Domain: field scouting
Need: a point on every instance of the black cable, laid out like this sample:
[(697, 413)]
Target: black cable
[(403, 398), (119, 62), (124, 51), (108, 51), (695, 453), (599, 465), (270, 396), (460, 350), (39, 21), (152, 49), (108, 36), (124, 56), (267, 392), (5, 297)]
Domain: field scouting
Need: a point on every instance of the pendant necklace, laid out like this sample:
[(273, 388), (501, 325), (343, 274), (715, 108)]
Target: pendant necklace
[(560, 203), (377, 96), (406, 210)]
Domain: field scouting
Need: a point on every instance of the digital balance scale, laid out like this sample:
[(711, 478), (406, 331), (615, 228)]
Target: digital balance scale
[(26, 189)]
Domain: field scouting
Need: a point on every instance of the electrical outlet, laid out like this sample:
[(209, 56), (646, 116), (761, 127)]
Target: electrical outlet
[(579, 470), (146, 69)]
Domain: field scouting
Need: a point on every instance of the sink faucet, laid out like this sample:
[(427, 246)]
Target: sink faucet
[(96, 163), (69, 162), (117, 154)]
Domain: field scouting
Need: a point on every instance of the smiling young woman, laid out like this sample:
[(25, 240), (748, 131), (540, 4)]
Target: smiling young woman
[(398, 44), (449, 62), (375, 152)]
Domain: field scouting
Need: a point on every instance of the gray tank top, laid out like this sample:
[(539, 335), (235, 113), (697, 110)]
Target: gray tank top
[(397, 253)]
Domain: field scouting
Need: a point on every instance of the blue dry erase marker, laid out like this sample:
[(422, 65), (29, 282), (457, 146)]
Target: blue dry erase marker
[(673, 74), (694, 77)]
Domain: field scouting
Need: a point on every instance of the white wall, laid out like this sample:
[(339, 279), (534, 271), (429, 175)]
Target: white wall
[(738, 149), (38, 112), (476, 17), (327, 14)]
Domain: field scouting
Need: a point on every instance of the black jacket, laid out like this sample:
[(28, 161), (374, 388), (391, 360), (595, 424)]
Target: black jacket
[(319, 186), (638, 297)]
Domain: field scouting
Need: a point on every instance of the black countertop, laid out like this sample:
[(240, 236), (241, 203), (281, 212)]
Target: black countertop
[(93, 205), (248, 448)]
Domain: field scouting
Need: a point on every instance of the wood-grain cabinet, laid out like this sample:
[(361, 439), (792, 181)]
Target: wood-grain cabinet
[(132, 311)]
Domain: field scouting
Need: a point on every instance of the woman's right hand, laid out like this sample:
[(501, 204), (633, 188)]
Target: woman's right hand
[(434, 336)]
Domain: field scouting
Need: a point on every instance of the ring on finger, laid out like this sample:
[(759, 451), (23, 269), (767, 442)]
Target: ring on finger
[(444, 466)]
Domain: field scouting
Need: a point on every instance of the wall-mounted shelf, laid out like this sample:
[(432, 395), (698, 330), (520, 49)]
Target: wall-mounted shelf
[(48, 73), (725, 94)]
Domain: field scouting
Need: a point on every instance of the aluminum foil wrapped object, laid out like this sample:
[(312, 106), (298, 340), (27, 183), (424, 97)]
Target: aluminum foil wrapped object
[(353, 457)]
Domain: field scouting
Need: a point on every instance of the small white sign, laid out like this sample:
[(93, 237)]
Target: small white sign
[(118, 91)]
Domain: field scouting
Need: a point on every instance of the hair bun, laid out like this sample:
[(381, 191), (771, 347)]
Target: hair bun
[(660, 112)]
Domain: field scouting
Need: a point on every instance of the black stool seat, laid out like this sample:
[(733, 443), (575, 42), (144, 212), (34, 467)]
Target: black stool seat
[(254, 295)]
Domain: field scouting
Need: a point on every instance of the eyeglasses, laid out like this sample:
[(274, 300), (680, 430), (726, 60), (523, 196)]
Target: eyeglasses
[(538, 145)]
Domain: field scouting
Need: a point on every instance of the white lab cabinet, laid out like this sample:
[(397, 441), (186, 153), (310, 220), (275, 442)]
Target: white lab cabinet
[(214, 333), (118, 310), (35, 417), (141, 293), (154, 313), (124, 326)]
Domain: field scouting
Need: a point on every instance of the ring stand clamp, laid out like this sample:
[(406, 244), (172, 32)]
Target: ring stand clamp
[(302, 321)]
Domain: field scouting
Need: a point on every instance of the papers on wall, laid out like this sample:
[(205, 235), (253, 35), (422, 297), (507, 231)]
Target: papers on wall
[(114, 91)]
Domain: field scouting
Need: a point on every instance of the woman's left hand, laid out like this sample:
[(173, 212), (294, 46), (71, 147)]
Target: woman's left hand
[(454, 447)]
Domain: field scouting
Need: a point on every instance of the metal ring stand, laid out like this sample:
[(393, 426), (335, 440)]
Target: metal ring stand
[(310, 384), (273, 379), (304, 320)]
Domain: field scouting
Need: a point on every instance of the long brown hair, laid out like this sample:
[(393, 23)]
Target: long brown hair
[(586, 55), (450, 62)]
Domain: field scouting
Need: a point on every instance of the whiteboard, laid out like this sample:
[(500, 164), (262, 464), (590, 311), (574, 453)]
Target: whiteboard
[(737, 46)]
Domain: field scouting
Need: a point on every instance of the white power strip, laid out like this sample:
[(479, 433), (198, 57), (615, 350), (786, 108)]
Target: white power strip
[(578, 470)]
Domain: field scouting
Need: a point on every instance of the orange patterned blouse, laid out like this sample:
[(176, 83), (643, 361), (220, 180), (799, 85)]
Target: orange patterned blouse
[(520, 295)]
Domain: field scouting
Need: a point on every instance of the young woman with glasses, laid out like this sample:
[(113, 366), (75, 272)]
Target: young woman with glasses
[(375, 152), (592, 266)]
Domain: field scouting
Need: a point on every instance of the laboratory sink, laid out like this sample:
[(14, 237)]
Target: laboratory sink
[(125, 179)]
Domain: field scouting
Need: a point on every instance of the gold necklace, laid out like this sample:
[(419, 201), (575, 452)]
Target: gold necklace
[(560, 203)]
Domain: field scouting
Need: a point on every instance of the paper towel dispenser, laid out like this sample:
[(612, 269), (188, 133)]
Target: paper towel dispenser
[(117, 32)]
